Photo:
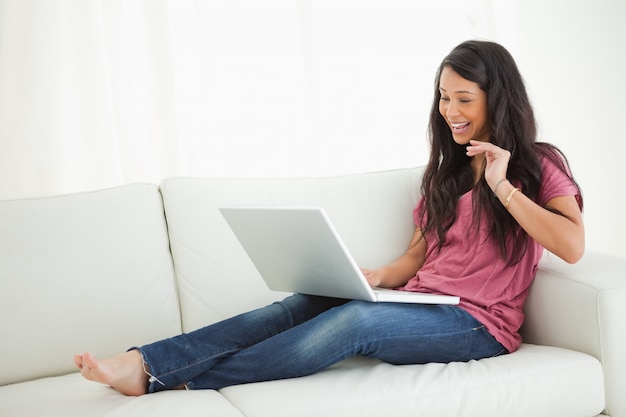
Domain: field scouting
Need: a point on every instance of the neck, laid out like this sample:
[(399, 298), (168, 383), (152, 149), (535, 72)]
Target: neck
[(478, 166)]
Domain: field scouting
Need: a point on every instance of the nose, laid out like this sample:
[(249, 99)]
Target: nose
[(451, 109)]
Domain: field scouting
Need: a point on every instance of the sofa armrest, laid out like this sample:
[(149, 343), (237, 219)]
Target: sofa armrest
[(583, 307)]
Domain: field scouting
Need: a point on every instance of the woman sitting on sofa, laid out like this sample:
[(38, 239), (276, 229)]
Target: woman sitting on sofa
[(492, 199)]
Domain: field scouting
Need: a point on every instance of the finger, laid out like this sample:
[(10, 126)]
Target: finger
[(490, 150)]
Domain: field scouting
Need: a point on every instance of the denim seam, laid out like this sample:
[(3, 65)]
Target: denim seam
[(199, 362)]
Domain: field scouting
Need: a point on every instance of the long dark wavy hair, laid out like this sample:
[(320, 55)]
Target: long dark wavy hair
[(449, 175)]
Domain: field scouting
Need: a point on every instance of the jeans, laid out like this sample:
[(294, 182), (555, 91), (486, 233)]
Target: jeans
[(304, 334)]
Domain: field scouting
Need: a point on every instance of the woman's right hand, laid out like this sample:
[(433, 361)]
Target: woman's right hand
[(373, 276), (399, 272)]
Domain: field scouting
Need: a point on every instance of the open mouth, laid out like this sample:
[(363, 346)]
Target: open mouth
[(459, 127)]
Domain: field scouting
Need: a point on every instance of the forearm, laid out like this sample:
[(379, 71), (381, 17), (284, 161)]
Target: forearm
[(399, 272), (560, 233)]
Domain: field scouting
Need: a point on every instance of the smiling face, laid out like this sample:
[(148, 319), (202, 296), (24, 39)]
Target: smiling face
[(463, 105)]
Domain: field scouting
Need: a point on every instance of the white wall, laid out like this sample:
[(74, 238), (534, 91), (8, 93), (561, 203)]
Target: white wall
[(95, 94), (573, 57)]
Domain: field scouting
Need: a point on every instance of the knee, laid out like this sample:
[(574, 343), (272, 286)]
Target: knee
[(354, 314), (303, 307)]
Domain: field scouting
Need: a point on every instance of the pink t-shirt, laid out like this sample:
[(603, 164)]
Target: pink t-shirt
[(470, 265)]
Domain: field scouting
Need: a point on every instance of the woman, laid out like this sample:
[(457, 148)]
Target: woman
[(492, 199)]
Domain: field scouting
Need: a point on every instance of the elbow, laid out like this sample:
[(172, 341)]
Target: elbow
[(574, 253), (573, 258), (573, 247)]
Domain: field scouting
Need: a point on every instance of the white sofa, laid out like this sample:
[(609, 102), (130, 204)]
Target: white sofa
[(106, 270)]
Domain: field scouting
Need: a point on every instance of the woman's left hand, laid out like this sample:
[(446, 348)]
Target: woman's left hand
[(497, 160)]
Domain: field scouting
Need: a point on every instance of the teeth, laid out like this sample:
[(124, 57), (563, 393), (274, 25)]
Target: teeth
[(459, 127)]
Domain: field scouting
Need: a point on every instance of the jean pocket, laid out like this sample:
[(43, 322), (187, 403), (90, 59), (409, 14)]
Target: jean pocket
[(490, 346)]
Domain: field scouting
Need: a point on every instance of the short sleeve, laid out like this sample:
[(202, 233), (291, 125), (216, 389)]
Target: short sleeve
[(418, 219), (556, 183)]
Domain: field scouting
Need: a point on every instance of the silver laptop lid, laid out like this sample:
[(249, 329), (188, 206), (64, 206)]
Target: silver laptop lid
[(297, 249)]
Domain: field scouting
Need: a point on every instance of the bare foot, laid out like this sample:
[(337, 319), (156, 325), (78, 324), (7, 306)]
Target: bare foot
[(123, 372)]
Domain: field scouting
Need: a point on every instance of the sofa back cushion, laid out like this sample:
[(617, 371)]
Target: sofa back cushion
[(88, 271), (372, 212)]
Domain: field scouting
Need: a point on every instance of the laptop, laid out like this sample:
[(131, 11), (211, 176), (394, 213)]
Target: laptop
[(297, 249)]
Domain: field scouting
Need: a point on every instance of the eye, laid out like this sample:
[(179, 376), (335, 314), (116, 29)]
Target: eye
[(442, 98)]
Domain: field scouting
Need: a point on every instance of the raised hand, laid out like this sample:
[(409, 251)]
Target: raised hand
[(497, 161)]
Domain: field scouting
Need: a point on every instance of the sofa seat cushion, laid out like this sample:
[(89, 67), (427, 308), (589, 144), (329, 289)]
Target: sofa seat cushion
[(533, 381), (73, 396)]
